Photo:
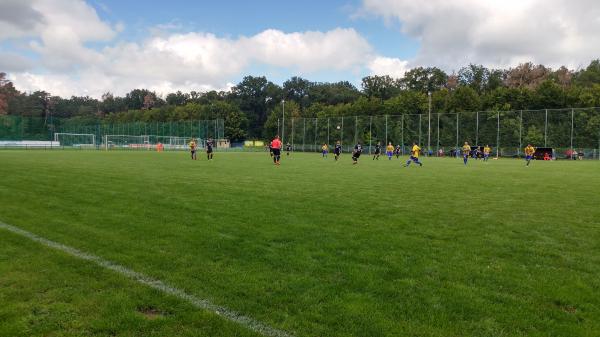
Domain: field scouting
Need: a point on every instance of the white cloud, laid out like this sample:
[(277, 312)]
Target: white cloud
[(167, 60), (388, 66), (496, 32)]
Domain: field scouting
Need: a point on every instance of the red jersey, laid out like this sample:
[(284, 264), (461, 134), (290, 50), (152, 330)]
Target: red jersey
[(276, 144)]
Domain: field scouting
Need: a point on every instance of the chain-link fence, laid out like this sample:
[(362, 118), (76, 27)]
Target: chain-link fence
[(92, 134), (562, 131)]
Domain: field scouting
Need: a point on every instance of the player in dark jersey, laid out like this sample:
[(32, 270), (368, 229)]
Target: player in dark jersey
[(356, 153), (337, 151), (397, 151), (288, 148), (377, 151), (209, 148)]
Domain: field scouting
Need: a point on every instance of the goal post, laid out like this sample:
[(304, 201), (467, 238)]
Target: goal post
[(75, 139), (146, 142)]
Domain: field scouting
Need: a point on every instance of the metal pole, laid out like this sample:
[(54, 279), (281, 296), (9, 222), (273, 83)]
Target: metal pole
[(292, 133), (304, 134), (316, 126), (328, 131), (420, 115), (457, 131), (520, 134), (355, 129), (477, 130), (278, 130), (370, 134), (546, 130), (283, 120), (386, 132), (342, 133), (402, 133), (438, 132), (498, 137), (429, 125), (572, 127)]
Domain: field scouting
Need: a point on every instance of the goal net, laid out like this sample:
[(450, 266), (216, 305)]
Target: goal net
[(75, 139), (146, 142)]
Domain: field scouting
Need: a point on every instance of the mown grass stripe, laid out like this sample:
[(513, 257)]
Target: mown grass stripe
[(200, 303)]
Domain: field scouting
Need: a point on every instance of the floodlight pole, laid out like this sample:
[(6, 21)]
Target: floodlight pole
[(429, 125)]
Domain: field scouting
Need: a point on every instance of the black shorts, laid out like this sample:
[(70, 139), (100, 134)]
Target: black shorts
[(336, 152), (377, 152), (209, 150), (356, 155), (277, 152), (193, 151)]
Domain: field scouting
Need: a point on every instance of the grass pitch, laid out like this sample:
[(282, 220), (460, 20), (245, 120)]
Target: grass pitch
[(312, 247)]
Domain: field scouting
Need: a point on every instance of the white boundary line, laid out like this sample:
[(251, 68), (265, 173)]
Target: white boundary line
[(200, 303)]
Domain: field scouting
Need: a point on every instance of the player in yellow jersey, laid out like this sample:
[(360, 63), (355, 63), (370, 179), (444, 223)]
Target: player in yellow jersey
[(486, 152), (414, 155), (466, 150), (193, 147), (529, 151), (389, 150), (324, 150)]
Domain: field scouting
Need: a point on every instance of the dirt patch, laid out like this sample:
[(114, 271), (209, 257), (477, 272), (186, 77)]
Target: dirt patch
[(151, 313)]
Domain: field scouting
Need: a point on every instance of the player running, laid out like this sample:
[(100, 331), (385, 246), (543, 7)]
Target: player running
[(193, 147), (389, 151), (288, 148), (356, 153), (397, 151), (466, 150), (377, 151), (337, 151), (414, 155), (324, 150), (276, 148), (486, 152), (529, 151), (209, 149)]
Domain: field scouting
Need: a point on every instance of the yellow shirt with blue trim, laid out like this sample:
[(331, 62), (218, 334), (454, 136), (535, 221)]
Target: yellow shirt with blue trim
[(415, 151)]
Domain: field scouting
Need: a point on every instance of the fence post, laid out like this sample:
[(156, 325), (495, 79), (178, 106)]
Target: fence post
[(402, 133), (477, 130), (304, 134), (420, 130), (457, 131), (292, 133), (572, 127), (386, 132), (520, 134), (278, 133), (438, 132), (327, 131), (355, 129), (370, 133), (342, 134), (546, 130), (316, 127), (498, 137)]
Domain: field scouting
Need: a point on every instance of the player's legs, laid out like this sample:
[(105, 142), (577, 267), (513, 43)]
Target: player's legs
[(465, 158)]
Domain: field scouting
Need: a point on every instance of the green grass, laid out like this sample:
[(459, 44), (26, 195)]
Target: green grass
[(313, 247)]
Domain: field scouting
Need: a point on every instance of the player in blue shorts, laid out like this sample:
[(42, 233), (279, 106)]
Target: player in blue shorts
[(389, 151), (529, 152), (356, 153), (414, 155), (466, 150)]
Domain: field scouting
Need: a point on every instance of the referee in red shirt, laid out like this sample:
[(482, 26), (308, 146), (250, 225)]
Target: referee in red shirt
[(276, 147)]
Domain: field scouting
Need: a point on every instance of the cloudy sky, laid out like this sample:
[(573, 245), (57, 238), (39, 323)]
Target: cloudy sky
[(77, 47)]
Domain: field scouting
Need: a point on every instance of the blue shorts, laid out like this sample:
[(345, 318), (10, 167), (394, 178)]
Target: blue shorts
[(413, 158), (325, 152), (528, 157), (390, 153)]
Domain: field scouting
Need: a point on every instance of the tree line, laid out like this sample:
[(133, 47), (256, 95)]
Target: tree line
[(251, 108)]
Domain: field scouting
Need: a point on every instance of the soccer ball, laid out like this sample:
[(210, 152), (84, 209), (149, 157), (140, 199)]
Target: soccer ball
[(338, 127)]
